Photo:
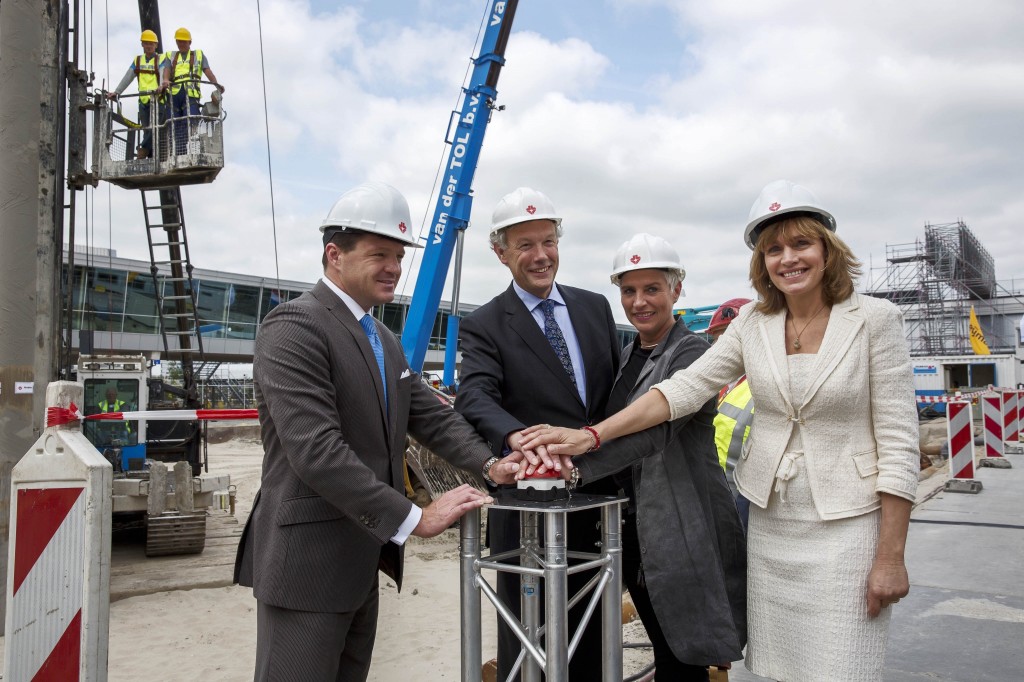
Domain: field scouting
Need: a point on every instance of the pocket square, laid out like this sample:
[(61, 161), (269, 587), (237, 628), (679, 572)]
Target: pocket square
[(405, 374)]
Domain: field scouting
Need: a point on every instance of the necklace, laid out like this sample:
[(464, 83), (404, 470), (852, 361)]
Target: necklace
[(796, 341), (644, 346)]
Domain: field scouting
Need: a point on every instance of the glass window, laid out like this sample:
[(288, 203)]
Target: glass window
[(243, 307), (111, 395), (393, 317), (101, 298), (275, 297), (140, 312)]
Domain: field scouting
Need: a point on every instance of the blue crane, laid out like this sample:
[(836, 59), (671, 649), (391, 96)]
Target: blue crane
[(454, 200)]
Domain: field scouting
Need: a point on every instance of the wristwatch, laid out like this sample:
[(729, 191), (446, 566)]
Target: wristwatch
[(487, 470)]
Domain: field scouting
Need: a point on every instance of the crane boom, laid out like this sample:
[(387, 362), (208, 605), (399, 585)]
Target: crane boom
[(454, 200)]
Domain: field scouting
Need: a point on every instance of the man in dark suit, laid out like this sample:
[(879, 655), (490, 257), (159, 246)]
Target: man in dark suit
[(537, 353), (336, 399)]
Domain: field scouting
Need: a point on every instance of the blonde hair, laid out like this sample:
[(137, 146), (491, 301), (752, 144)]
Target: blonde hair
[(841, 266)]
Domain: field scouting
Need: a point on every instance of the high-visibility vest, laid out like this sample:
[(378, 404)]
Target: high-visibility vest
[(111, 407), (114, 407), (147, 71), (732, 427), (186, 69)]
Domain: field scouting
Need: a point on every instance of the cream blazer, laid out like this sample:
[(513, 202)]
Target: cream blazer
[(857, 419)]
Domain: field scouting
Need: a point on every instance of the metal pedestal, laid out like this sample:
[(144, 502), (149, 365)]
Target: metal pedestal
[(546, 649)]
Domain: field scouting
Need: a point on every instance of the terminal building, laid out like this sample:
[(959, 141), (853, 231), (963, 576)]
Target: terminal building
[(114, 309)]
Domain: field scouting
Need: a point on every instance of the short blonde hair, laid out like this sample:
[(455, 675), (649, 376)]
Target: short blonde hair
[(841, 266)]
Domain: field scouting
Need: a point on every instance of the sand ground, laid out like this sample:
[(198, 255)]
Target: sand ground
[(178, 618)]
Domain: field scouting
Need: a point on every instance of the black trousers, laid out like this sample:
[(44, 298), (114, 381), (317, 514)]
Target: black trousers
[(668, 668)]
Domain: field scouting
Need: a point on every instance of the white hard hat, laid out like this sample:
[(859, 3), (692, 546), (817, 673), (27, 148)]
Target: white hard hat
[(373, 207), (644, 252), (520, 206), (779, 198)]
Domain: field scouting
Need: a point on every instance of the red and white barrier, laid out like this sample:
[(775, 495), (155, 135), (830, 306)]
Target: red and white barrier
[(958, 397), (992, 424), (960, 431), (58, 579), (56, 415), (1011, 423)]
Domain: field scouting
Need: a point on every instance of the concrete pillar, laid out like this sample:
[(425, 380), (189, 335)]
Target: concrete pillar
[(32, 42)]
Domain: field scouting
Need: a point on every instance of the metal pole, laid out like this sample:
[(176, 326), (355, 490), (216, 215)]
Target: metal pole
[(528, 594), (556, 598), (31, 201), (611, 603), (469, 554)]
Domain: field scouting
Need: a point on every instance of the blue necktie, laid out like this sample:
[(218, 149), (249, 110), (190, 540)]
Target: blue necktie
[(554, 335), (378, 348)]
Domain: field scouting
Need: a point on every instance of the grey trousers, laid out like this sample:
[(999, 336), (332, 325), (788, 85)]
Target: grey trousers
[(310, 646)]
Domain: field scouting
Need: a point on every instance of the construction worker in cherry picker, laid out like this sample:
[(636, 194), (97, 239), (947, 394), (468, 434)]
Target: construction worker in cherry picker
[(183, 70), (146, 69), (735, 409)]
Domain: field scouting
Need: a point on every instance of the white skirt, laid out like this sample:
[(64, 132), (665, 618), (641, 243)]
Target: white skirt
[(806, 592)]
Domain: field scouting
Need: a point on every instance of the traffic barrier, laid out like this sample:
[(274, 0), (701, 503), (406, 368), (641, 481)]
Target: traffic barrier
[(992, 420), (1011, 425), (58, 579), (960, 432)]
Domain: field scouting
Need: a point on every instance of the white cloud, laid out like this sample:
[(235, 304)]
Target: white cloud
[(894, 113)]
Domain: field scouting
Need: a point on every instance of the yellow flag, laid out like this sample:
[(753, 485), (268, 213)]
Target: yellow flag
[(977, 337)]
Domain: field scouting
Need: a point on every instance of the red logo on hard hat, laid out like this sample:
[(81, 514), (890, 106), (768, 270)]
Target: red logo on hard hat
[(402, 227), (775, 207), (531, 209), (635, 259)]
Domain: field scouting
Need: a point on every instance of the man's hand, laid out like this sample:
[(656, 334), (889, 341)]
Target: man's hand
[(111, 96), (506, 470), (887, 583), (447, 509)]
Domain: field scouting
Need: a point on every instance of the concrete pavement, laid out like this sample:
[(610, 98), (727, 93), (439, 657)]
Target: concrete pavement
[(964, 617)]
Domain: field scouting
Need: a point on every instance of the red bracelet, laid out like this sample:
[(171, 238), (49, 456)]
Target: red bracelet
[(593, 432)]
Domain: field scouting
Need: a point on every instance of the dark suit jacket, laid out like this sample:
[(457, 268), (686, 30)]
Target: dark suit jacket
[(511, 378), (695, 555), (331, 495)]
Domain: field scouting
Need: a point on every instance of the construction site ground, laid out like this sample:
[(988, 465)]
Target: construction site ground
[(179, 618)]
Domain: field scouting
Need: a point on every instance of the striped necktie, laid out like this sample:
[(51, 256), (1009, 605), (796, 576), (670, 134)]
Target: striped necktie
[(554, 335), (370, 327)]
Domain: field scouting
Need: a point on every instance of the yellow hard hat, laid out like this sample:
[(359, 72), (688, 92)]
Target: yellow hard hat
[(182, 34), (148, 37)]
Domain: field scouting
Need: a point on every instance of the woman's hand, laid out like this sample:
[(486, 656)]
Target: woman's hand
[(557, 439), (887, 583)]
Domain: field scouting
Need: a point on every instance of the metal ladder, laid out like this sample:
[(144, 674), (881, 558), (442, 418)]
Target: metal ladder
[(177, 311)]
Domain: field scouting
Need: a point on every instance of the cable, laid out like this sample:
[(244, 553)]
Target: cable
[(266, 124)]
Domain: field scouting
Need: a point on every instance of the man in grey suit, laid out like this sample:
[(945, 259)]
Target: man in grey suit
[(538, 353), (336, 399)]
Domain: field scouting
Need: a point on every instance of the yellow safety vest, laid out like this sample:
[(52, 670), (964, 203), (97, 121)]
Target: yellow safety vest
[(147, 71), (186, 69), (114, 407), (732, 426)]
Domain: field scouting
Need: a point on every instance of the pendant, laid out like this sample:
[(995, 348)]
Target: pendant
[(796, 344)]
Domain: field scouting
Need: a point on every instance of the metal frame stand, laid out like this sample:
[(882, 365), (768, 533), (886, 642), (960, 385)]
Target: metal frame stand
[(546, 649)]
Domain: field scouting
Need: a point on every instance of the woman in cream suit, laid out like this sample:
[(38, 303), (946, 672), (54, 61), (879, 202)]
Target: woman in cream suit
[(831, 464)]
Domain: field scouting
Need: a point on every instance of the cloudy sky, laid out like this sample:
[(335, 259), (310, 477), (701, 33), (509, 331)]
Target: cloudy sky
[(663, 116)]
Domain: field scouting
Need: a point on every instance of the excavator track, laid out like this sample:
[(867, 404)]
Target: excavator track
[(173, 533)]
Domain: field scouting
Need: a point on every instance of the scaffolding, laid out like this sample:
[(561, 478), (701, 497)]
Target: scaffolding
[(936, 281)]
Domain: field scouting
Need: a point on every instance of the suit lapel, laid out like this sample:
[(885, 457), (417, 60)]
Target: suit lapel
[(342, 314), (522, 323), (844, 322), (773, 336)]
